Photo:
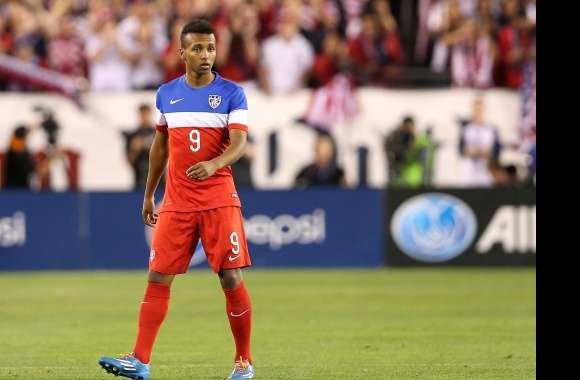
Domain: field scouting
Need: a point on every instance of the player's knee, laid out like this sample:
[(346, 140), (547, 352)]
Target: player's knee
[(160, 277), (230, 278)]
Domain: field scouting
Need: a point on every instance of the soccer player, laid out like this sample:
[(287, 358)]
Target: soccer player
[(201, 130)]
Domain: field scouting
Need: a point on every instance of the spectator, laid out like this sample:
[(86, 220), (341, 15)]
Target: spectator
[(266, 17), (287, 58), (238, 44), (329, 20), (242, 169), (171, 60), (143, 36), (513, 41), (425, 28), (332, 58), (324, 170), (207, 9), (487, 17), (182, 12), (20, 167), (109, 60), (138, 145), (6, 37), (353, 10), (444, 17), (376, 50), (66, 49), (28, 41), (479, 144), (382, 9), (472, 55)]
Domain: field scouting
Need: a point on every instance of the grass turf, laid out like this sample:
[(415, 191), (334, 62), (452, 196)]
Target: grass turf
[(361, 324)]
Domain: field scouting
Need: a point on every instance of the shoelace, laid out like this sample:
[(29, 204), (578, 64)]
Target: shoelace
[(126, 356), (240, 366)]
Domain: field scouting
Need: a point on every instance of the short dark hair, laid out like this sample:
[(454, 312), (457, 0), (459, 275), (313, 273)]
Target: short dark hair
[(198, 25), (20, 131)]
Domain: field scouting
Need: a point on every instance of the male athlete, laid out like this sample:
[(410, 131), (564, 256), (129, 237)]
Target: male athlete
[(201, 130)]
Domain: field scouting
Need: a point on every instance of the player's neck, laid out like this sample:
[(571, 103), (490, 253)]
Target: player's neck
[(199, 80)]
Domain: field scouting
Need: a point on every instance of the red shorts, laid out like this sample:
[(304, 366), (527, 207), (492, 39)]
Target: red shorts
[(222, 235)]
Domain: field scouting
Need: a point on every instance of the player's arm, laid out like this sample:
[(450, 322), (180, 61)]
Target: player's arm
[(158, 155), (205, 169)]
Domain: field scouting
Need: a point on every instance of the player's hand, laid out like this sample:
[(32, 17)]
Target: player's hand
[(201, 170), (149, 217)]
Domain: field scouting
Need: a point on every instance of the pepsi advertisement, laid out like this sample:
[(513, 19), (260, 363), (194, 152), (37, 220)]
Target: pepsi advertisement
[(463, 227), (309, 228)]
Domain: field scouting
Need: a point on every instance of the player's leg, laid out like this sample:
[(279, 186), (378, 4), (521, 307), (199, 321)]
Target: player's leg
[(239, 311), (226, 248), (230, 278), (174, 242), (152, 313)]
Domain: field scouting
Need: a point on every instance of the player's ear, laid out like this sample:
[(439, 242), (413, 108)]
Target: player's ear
[(181, 51)]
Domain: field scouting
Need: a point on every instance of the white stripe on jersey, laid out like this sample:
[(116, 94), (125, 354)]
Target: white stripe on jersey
[(203, 119), (196, 119), (239, 116), (159, 118)]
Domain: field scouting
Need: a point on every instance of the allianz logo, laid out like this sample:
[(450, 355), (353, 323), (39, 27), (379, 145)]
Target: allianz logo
[(437, 227), (513, 227), (13, 230), (287, 229)]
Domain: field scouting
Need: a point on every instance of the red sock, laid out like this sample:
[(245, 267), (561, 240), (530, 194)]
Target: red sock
[(153, 310), (239, 310)]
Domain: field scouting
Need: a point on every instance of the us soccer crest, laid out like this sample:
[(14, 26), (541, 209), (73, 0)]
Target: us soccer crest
[(214, 101)]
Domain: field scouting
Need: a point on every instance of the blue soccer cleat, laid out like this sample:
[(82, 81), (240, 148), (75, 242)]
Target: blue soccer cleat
[(242, 370), (125, 366)]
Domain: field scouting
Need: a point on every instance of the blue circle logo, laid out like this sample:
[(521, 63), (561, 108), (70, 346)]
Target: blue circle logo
[(433, 227)]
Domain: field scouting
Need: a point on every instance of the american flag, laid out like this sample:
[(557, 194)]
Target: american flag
[(333, 104)]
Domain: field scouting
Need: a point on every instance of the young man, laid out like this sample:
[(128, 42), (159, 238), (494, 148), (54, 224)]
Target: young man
[(201, 130)]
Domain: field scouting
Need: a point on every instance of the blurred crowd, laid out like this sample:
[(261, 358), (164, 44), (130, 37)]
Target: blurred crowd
[(277, 45), (484, 43)]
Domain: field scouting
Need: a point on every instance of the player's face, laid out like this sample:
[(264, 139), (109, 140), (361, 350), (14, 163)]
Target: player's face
[(198, 52)]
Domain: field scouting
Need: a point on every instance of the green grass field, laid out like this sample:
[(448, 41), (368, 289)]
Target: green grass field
[(368, 324)]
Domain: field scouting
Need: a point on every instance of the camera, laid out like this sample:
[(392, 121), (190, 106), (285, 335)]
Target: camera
[(48, 123)]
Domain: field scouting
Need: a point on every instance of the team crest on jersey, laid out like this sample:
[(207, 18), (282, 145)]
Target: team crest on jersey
[(214, 101)]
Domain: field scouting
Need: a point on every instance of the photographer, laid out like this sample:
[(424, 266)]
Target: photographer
[(410, 156)]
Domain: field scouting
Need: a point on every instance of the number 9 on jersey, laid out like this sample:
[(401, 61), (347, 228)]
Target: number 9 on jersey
[(195, 139)]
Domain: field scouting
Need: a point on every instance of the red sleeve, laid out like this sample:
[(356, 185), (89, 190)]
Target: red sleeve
[(238, 126)]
